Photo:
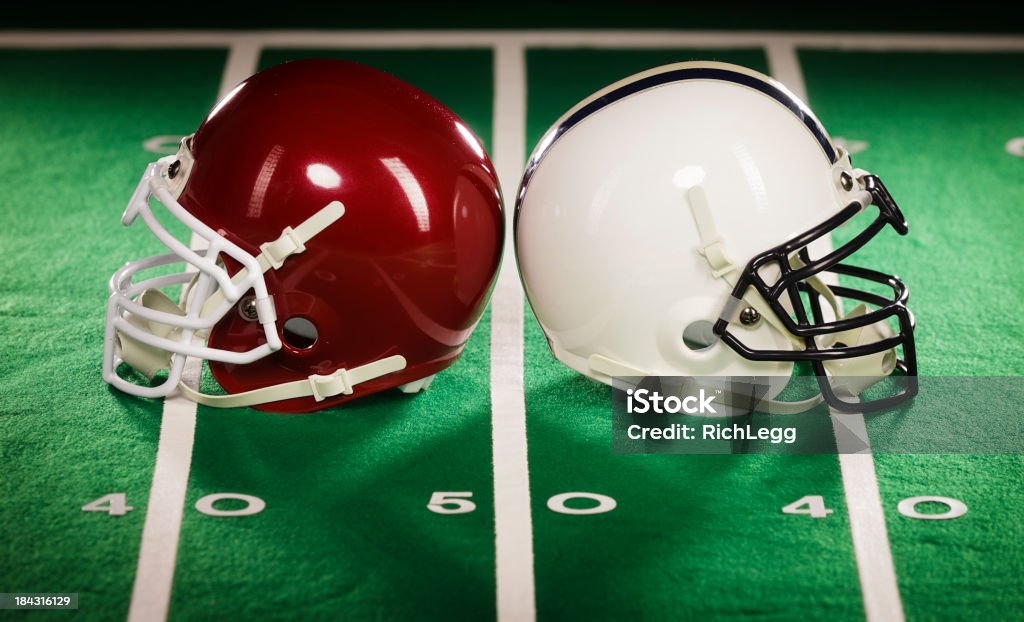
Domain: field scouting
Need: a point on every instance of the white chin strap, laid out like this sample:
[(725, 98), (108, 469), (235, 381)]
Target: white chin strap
[(850, 376), (317, 387), (290, 242)]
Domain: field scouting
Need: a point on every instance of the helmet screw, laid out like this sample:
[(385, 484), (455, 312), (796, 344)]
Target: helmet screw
[(749, 316), (172, 170), (846, 180), (247, 309)]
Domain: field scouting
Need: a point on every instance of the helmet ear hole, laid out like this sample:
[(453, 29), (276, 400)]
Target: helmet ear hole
[(699, 335), (299, 333)]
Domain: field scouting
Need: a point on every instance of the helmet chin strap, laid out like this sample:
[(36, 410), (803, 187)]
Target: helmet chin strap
[(316, 386), (292, 241), (714, 251)]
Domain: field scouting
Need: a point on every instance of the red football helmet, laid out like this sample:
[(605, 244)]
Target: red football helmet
[(355, 228)]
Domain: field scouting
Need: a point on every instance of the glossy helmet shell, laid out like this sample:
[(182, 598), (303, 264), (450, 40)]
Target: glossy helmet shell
[(406, 271)]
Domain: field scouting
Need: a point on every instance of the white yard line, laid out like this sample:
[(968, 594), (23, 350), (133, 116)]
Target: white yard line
[(784, 66), (513, 525), (530, 38), (158, 553), (154, 573), (879, 587), (878, 584)]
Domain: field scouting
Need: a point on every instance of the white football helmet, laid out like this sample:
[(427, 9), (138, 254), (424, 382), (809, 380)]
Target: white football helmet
[(677, 222)]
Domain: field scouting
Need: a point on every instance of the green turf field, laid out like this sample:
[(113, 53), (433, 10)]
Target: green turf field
[(344, 530)]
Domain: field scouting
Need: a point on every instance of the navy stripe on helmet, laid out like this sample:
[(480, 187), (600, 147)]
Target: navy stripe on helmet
[(708, 73)]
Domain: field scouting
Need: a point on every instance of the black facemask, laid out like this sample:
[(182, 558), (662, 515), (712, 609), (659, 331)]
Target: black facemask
[(795, 266)]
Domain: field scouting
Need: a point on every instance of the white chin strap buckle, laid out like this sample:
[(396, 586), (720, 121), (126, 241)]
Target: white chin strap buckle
[(282, 248), (330, 385)]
